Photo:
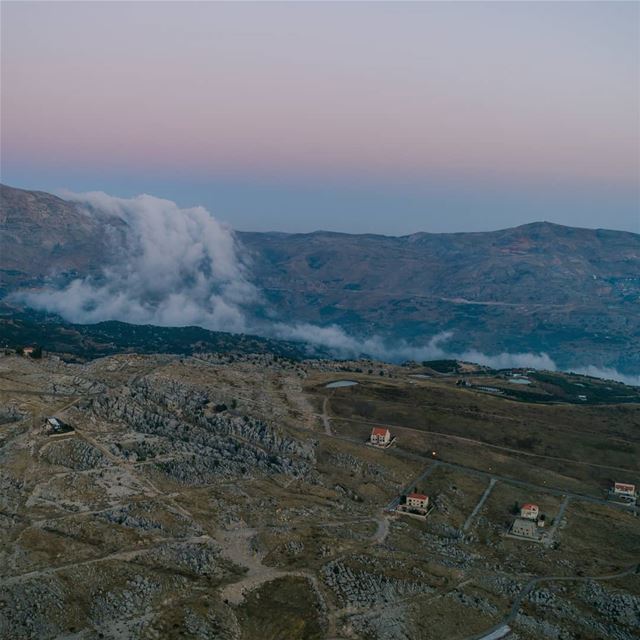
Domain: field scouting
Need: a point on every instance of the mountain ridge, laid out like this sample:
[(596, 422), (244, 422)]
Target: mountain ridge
[(541, 287)]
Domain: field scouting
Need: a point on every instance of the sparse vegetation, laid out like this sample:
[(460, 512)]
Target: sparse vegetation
[(256, 523)]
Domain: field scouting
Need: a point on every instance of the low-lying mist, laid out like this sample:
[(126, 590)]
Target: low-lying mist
[(182, 267)]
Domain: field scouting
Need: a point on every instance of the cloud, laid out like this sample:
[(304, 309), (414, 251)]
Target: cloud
[(177, 267), (169, 267), (609, 374), (345, 345)]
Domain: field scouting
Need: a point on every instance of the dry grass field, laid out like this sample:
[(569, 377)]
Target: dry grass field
[(234, 497)]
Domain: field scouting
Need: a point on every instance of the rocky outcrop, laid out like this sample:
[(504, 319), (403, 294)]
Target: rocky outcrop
[(74, 453), (208, 446), (361, 587)]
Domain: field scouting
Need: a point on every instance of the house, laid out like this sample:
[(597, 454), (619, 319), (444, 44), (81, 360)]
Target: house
[(417, 501), (28, 351), (529, 511), (624, 490), (415, 505), (380, 436), (525, 528)]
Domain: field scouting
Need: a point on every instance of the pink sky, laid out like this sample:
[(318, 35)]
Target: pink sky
[(399, 92)]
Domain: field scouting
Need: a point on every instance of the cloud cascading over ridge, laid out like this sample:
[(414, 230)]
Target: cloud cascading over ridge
[(170, 267)]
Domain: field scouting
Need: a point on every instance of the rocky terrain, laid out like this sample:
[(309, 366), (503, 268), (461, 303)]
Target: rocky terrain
[(572, 293), (232, 496)]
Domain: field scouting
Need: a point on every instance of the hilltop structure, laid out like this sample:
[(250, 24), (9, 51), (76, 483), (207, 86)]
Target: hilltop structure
[(380, 437)]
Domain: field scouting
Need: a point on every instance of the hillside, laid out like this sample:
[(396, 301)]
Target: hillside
[(540, 287), (572, 293), (42, 235), (235, 498)]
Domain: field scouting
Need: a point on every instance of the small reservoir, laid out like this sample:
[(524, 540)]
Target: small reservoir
[(340, 383)]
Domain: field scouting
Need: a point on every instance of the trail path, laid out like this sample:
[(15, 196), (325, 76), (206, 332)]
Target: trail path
[(490, 634), (325, 416), (481, 502), (558, 519), (126, 554), (383, 529)]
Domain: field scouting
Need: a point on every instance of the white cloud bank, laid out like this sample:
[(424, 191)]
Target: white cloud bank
[(345, 345), (180, 267), (171, 267)]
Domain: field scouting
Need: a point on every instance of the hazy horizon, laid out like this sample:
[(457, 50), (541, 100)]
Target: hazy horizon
[(385, 118)]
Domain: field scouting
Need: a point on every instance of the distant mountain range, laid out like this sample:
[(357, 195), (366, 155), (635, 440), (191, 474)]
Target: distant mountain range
[(572, 293)]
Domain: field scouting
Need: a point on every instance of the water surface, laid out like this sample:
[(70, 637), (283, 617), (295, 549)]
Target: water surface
[(340, 383)]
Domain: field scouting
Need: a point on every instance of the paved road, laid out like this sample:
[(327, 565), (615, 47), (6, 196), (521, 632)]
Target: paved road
[(324, 416), (488, 445), (488, 475), (526, 590)]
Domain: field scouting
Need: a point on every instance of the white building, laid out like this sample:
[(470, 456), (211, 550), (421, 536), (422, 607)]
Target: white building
[(380, 436), (624, 490), (54, 424), (417, 501)]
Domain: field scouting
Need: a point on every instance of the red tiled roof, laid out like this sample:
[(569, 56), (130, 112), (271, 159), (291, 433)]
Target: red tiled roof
[(529, 506), (379, 431), (418, 496)]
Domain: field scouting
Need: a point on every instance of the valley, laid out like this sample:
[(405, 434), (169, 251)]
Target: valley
[(571, 294)]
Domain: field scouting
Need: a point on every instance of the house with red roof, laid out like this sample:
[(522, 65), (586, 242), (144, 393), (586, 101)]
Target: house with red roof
[(624, 489), (380, 436), (414, 505), (417, 501), (529, 511)]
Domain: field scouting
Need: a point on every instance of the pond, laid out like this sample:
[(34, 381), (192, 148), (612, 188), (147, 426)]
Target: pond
[(340, 383)]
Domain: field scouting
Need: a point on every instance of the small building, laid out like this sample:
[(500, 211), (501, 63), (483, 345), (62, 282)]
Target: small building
[(529, 511), (624, 490), (415, 505), (417, 501), (525, 528), (380, 436), (55, 426), (28, 351)]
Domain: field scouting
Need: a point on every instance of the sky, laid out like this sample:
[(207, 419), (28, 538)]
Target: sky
[(385, 117)]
